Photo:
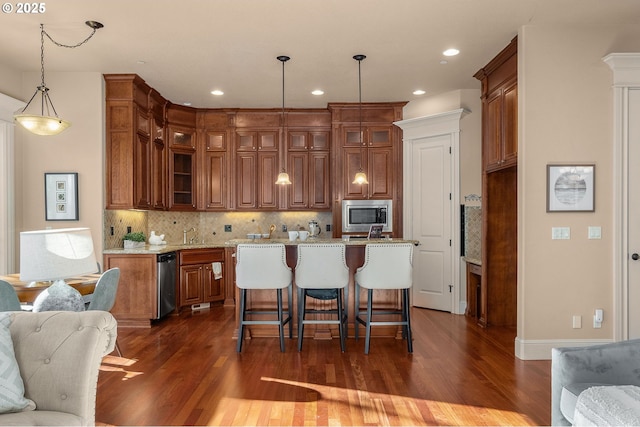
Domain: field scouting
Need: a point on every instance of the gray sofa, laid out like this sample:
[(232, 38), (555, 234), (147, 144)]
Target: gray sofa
[(573, 370), (59, 355)]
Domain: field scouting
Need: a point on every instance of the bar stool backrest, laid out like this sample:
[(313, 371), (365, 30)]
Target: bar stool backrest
[(262, 266), (386, 266), (322, 266)]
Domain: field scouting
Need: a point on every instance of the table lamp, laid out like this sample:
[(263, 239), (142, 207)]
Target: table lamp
[(54, 255)]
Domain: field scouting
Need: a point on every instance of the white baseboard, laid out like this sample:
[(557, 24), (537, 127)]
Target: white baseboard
[(541, 349)]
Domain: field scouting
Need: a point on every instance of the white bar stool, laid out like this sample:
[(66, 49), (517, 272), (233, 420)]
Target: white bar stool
[(386, 266), (322, 273), (263, 266)]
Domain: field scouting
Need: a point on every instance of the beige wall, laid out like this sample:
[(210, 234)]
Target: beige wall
[(565, 116), (78, 98)]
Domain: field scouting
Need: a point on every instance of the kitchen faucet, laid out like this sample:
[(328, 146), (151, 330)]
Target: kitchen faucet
[(184, 236)]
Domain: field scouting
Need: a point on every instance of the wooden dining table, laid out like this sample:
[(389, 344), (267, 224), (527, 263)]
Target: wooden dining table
[(28, 291)]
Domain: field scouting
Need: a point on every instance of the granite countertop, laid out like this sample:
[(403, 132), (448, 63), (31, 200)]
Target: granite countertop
[(472, 260), (161, 249)]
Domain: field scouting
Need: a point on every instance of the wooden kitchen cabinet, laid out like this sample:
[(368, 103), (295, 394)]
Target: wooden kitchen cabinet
[(197, 280), (498, 284), (135, 146), (137, 296), (377, 151), (182, 161), (257, 169), (499, 81), (308, 167)]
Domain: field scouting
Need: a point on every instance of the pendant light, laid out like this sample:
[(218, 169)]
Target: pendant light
[(283, 177), (45, 123), (361, 177)]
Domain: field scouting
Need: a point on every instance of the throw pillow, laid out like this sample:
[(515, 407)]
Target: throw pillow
[(59, 297), (11, 386)]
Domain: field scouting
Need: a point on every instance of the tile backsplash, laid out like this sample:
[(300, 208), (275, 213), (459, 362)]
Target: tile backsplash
[(473, 232), (210, 226)]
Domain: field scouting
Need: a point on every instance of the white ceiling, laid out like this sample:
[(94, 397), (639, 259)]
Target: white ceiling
[(190, 47)]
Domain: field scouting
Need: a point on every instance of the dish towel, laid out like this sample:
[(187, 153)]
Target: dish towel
[(217, 270)]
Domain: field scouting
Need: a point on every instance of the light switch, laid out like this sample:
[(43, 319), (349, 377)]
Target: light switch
[(595, 232), (560, 233)]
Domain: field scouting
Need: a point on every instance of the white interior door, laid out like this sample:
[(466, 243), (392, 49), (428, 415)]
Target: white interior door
[(633, 300), (431, 222)]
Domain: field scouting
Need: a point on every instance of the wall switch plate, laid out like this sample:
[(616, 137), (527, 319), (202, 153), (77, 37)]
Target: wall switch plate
[(560, 233), (227, 228), (595, 232), (577, 321), (284, 228)]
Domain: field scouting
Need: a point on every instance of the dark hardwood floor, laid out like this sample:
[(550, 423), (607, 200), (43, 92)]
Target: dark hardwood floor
[(185, 371)]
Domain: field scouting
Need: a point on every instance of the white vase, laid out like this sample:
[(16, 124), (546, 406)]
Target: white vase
[(130, 244)]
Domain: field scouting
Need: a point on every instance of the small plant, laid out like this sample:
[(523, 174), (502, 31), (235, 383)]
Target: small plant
[(136, 237)]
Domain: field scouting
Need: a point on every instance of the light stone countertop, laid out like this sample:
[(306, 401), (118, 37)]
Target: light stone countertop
[(162, 249)]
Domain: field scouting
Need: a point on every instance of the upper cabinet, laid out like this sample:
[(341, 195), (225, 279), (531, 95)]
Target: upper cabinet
[(181, 130), (373, 145), (165, 156), (131, 131), (500, 110)]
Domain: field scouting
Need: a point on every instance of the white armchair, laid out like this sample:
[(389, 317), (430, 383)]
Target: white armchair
[(59, 356)]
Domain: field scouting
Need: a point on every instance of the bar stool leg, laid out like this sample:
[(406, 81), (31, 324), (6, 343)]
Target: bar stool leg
[(341, 321), (290, 312), (357, 310), (407, 318), (243, 293), (280, 320), (368, 324), (302, 296)]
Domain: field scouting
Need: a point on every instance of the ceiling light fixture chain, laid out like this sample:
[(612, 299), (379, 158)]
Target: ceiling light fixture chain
[(283, 176), (361, 177)]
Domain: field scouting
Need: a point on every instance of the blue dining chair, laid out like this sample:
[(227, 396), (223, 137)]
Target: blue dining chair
[(8, 298)]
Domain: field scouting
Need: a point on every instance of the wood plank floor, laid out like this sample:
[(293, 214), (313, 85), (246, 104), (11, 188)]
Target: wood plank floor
[(185, 371)]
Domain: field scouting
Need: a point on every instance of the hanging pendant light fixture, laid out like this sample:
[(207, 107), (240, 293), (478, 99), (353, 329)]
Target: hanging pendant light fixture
[(361, 177), (283, 177), (45, 123)]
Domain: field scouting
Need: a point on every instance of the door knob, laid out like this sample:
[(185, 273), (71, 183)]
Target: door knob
[(635, 257)]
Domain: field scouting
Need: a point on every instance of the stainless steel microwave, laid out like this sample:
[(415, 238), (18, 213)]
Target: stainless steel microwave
[(359, 215)]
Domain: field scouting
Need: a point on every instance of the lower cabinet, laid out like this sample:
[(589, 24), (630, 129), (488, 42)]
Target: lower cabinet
[(198, 283)]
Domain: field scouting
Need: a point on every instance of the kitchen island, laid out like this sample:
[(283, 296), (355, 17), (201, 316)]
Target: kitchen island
[(137, 291)]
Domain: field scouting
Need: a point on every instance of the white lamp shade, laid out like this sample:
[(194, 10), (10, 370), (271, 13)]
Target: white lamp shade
[(56, 254)]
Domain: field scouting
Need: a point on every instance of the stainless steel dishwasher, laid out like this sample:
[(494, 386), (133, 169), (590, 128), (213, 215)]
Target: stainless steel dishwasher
[(166, 283)]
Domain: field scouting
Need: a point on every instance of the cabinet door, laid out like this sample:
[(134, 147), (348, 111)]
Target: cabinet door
[(182, 175), (319, 193), (510, 125), (159, 174), (378, 136), (267, 176), (215, 184), (191, 284), (213, 289), (298, 169), (492, 149), (320, 140), (353, 159), (246, 180), (380, 173), (142, 171)]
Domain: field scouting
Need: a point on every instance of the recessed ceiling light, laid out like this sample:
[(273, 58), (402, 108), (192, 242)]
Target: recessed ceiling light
[(444, 62), (419, 92), (186, 104), (217, 92), (317, 92), (451, 52), (141, 62)]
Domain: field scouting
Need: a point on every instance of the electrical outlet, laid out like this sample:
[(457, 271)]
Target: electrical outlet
[(284, 228), (227, 228), (328, 227), (128, 229), (111, 231)]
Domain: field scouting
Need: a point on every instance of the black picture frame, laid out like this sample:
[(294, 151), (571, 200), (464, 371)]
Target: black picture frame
[(61, 196)]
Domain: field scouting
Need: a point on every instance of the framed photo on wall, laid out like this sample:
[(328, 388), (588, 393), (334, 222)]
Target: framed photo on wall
[(571, 188), (61, 196)]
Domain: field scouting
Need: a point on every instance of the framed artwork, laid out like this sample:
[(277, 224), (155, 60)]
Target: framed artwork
[(571, 188), (61, 196)]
